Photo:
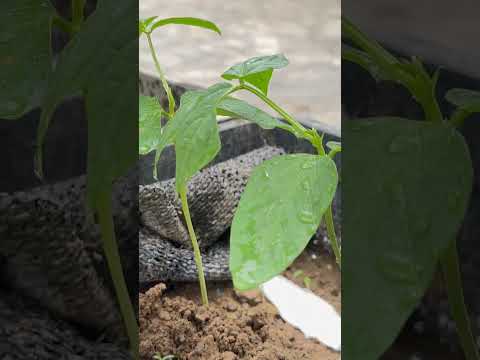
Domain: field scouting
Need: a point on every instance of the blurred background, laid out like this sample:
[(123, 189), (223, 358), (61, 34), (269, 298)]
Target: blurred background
[(307, 32)]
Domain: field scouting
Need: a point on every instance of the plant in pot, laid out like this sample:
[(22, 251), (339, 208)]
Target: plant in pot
[(413, 180), (79, 69), (285, 198)]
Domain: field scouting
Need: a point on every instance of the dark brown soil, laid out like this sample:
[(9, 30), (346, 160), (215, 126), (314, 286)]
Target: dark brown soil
[(235, 325)]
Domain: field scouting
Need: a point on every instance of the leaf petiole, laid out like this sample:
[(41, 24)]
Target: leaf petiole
[(78, 7), (63, 25), (166, 87)]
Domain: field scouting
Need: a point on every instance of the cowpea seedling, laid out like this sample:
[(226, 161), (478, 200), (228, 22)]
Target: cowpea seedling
[(79, 70), (285, 198), (423, 180)]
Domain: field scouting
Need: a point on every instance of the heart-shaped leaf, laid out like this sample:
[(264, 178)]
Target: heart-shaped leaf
[(257, 71), (149, 125), (149, 25), (406, 185), (25, 55), (468, 100), (194, 131), (240, 109), (280, 210)]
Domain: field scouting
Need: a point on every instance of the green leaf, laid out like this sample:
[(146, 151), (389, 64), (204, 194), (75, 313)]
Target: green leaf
[(194, 131), (25, 55), (149, 125), (406, 186), (149, 25), (85, 59), (112, 123), (307, 281), (143, 24), (468, 100), (297, 273), (334, 145), (361, 58), (280, 210), (240, 109), (256, 71)]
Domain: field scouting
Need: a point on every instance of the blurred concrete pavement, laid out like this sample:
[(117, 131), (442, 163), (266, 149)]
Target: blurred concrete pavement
[(306, 31)]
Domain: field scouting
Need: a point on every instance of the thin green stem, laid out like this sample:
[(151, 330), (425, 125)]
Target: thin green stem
[(295, 124), (332, 236), (105, 218), (63, 25), (334, 152), (196, 249), (420, 84), (317, 142), (453, 283), (78, 7), (166, 87), (458, 118)]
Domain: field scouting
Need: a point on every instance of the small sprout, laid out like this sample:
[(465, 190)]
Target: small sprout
[(297, 273), (307, 282), (167, 357), (335, 147)]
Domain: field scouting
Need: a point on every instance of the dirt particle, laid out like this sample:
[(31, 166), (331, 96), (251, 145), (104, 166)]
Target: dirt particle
[(251, 297), (202, 316), (235, 326), (229, 356)]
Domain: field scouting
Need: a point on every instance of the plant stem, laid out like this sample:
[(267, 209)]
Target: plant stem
[(458, 118), (63, 25), (332, 236), (453, 283), (78, 7), (295, 124), (196, 249), (166, 87), (105, 219), (317, 142)]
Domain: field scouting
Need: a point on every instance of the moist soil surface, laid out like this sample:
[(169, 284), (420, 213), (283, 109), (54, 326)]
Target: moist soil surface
[(234, 325)]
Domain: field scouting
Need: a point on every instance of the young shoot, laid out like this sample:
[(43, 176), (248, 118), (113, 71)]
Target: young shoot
[(289, 184), (442, 136)]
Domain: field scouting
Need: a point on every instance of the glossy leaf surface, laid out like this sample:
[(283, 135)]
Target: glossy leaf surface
[(405, 187), (257, 71), (280, 210)]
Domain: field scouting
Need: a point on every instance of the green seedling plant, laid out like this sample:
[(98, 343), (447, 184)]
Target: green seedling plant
[(285, 198), (80, 69), (307, 280), (167, 357), (409, 160)]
